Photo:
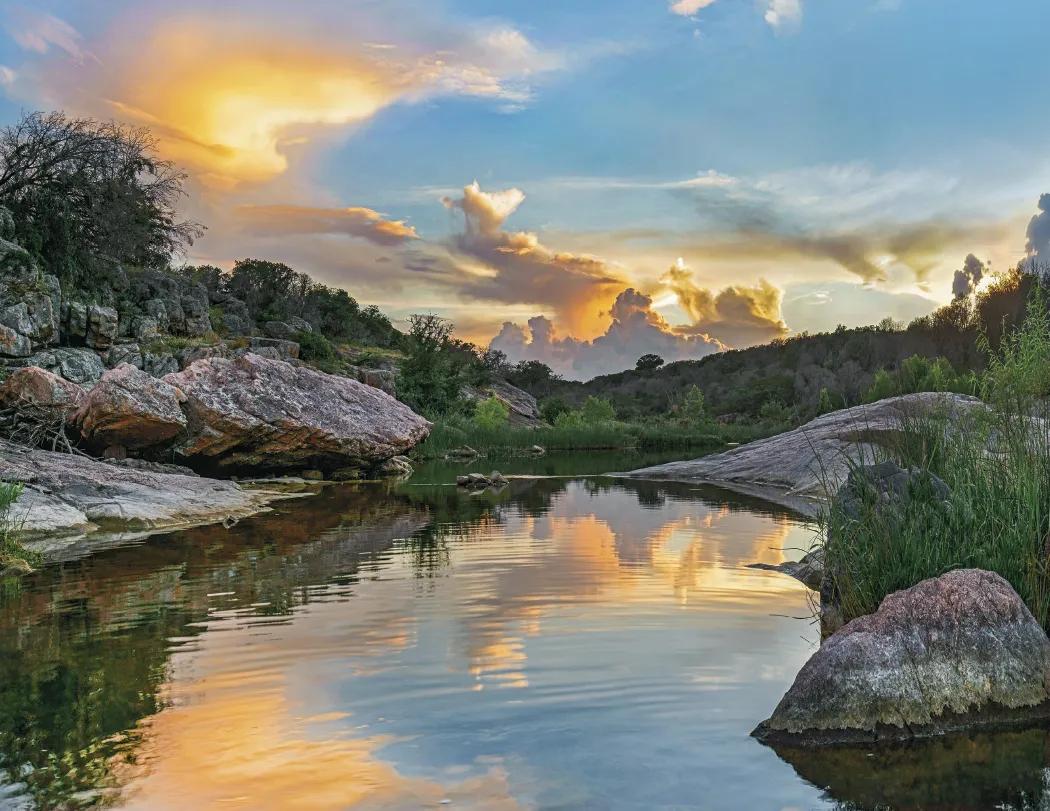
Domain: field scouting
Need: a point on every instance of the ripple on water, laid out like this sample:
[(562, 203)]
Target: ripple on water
[(567, 643)]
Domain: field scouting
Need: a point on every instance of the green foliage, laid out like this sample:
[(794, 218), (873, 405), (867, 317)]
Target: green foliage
[(86, 196), (997, 516), (596, 410), (1019, 372), (433, 370), (692, 408), (824, 403), (774, 411), (916, 374), (552, 408), (491, 414), (571, 433), (317, 350), (649, 362), (10, 549)]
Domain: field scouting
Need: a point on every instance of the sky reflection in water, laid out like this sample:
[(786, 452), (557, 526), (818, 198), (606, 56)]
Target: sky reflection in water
[(578, 643)]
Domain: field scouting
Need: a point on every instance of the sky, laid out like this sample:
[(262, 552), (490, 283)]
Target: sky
[(579, 182)]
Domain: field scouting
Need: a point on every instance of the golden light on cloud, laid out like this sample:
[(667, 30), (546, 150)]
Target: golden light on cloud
[(231, 109)]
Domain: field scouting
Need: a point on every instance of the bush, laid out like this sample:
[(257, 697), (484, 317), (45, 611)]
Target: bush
[(491, 414), (315, 348), (552, 408), (597, 410)]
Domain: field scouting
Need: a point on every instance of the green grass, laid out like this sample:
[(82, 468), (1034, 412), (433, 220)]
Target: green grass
[(997, 517), (455, 432), (10, 549)]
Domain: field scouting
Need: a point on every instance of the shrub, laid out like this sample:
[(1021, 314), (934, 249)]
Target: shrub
[(315, 348), (596, 410), (552, 408), (491, 414)]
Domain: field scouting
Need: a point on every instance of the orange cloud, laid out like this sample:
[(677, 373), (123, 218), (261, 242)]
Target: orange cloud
[(354, 221), (231, 102), (517, 267)]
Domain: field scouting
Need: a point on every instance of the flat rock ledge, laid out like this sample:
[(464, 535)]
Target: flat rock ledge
[(959, 651), (72, 495), (801, 469)]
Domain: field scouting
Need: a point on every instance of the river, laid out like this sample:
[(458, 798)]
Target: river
[(570, 642)]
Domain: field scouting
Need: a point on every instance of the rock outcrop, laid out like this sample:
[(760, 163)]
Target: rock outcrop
[(131, 409), (953, 652), (804, 467), (522, 409), (74, 494), (256, 414)]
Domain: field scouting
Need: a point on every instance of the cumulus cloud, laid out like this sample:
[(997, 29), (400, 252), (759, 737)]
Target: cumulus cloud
[(354, 221), (966, 280), (780, 13), (737, 315), (1038, 232), (515, 266), (732, 317), (687, 8), (636, 329)]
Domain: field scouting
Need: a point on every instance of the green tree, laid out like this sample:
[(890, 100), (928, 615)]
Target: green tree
[(491, 414), (597, 410), (552, 408), (824, 404), (692, 408), (648, 362), (432, 372), (87, 195)]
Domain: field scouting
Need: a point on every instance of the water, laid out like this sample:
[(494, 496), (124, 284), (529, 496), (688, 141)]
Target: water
[(569, 643)]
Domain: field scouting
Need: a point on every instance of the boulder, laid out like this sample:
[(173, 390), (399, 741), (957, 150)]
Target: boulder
[(159, 364), (300, 324), (14, 344), (522, 409), (235, 325), (253, 413), (124, 353), (399, 467), (279, 330), (75, 321), (803, 468), (288, 350), (131, 409), (102, 327), (146, 328), (195, 353), (41, 388), (77, 365), (950, 653)]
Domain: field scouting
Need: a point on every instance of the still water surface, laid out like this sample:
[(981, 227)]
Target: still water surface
[(567, 643)]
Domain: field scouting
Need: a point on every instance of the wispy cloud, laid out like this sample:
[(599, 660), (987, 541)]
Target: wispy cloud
[(354, 221), (39, 32), (687, 8)]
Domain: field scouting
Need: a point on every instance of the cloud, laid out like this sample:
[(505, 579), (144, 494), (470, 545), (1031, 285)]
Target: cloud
[(7, 76), (232, 99), (966, 280), (354, 221), (636, 329), (38, 32), (687, 8), (737, 315), (516, 267), (781, 13), (1038, 233), (734, 316)]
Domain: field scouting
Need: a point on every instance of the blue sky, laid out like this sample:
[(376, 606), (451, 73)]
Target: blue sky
[(807, 160)]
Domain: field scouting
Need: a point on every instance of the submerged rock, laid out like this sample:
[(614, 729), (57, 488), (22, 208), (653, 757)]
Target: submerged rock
[(131, 409), (809, 570), (806, 466), (479, 481), (253, 413), (953, 652)]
